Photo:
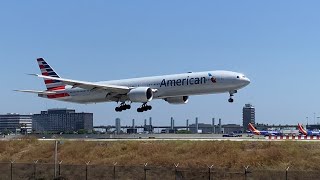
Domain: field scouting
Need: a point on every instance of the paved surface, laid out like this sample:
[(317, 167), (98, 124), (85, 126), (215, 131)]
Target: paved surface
[(159, 139), (147, 137)]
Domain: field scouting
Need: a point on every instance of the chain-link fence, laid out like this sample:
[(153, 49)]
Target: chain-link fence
[(23, 171)]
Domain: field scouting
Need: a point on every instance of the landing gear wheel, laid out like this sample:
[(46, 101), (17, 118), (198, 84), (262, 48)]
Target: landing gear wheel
[(231, 96), (118, 109), (128, 106), (122, 107), (144, 107)]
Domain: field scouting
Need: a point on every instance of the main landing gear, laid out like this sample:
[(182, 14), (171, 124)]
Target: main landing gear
[(123, 107), (230, 100), (144, 107)]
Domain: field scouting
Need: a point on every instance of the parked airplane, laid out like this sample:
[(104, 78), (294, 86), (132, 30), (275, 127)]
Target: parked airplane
[(253, 130), (307, 132), (175, 89)]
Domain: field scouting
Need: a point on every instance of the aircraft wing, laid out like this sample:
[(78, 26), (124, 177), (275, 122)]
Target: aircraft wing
[(89, 85), (37, 92)]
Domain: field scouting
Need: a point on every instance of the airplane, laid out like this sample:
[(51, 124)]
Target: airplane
[(174, 89), (307, 132), (253, 130)]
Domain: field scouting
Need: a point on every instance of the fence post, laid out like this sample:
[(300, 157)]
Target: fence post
[(87, 163), (176, 170), (114, 170), (35, 169), (145, 171), (11, 170), (55, 157), (287, 173), (59, 170), (246, 171), (209, 168)]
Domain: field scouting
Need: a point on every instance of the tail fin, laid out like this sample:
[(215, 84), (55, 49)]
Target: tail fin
[(302, 130), (253, 129), (46, 70)]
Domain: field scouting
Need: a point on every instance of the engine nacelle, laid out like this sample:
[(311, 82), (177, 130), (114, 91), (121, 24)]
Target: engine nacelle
[(140, 94), (177, 100)]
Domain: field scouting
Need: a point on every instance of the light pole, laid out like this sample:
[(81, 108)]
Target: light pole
[(307, 120)]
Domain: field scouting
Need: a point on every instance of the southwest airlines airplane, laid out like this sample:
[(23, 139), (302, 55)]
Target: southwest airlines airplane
[(255, 131), (175, 89), (307, 132)]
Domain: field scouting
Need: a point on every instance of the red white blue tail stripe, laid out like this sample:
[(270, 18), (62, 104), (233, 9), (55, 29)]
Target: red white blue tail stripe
[(46, 70)]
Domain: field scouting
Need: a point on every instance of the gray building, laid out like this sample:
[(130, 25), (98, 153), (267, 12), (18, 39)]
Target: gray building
[(16, 123), (209, 128), (62, 120), (231, 128), (248, 116), (203, 128)]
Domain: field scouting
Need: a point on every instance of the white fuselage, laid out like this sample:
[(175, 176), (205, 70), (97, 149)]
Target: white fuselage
[(176, 85)]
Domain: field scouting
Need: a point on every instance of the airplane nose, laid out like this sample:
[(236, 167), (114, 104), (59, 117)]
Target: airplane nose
[(246, 81)]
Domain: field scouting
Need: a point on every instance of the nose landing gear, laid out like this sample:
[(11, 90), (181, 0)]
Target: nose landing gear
[(231, 100)]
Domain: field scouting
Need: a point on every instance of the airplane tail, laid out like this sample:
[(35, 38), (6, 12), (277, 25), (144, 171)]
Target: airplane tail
[(253, 129), (46, 70), (302, 130)]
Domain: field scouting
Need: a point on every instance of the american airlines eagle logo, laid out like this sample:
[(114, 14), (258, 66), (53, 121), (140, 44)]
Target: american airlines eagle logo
[(213, 79)]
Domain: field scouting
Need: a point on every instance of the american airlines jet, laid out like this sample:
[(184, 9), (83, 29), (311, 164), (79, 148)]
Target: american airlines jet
[(175, 89)]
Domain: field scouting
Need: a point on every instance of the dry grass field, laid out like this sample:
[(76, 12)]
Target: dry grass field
[(225, 154)]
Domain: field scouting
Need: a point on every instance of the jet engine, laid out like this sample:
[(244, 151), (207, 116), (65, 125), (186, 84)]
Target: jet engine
[(140, 94), (177, 100)]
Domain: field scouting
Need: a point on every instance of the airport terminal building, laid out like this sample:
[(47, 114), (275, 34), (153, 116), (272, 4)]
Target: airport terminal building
[(62, 120), (15, 123)]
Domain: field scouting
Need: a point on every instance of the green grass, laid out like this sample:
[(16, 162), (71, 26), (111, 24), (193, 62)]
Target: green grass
[(225, 154)]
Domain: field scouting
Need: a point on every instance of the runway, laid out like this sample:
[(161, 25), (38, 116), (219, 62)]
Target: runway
[(153, 137), (158, 139)]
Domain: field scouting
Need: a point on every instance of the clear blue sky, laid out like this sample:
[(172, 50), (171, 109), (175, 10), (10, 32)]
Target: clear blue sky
[(275, 43)]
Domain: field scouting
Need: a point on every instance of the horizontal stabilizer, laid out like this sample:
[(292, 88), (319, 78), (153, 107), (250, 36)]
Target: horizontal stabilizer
[(88, 85), (37, 92)]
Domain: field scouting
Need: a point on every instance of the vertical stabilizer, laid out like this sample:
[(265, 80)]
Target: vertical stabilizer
[(302, 130), (46, 70), (253, 129)]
